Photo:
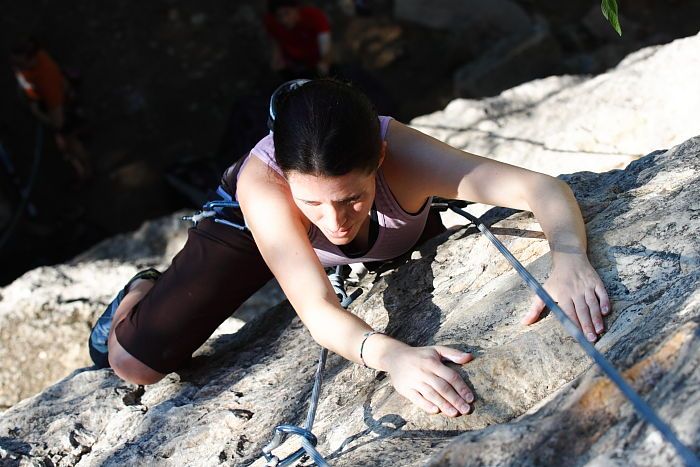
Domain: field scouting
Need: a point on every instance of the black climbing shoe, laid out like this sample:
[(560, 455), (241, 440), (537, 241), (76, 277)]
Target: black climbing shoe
[(100, 331)]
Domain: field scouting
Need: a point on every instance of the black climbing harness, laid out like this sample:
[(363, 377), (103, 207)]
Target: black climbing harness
[(646, 412)]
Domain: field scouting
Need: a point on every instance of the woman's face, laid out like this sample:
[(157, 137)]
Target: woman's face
[(338, 206)]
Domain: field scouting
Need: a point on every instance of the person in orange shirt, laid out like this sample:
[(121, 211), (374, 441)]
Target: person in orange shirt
[(50, 101)]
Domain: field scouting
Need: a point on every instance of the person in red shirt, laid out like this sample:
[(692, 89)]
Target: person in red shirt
[(49, 97), (301, 37)]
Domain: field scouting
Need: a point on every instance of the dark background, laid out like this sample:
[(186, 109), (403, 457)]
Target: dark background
[(179, 88)]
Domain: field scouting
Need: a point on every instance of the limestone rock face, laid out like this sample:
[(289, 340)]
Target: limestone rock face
[(540, 401), (565, 124), (46, 315)]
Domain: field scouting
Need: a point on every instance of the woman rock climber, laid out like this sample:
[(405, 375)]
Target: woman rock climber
[(336, 184)]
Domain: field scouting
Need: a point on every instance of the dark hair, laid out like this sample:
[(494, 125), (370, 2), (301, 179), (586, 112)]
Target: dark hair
[(274, 5), (328, 128)]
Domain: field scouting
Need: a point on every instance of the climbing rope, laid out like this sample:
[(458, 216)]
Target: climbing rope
[(38, 150), (308, 439), (638, 403)]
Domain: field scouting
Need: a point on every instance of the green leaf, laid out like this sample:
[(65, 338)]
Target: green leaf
[(609, 8)]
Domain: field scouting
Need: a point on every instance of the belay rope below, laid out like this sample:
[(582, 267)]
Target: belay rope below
[(308, 439), (642, 408)]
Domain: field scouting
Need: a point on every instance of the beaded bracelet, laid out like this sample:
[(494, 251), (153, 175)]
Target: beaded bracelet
[(362, 346)]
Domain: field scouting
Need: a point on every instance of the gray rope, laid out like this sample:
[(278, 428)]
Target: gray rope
[(316, 391), (313, 453), (308, 439), (308, 442), (337, 280), (642, 408)]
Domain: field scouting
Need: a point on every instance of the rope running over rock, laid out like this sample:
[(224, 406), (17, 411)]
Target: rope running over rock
[(646, 412), (308, 439)]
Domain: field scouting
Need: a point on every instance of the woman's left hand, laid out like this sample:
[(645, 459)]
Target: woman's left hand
[(578, 290)]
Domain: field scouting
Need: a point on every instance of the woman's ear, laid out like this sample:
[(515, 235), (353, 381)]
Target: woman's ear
[(382, 153)]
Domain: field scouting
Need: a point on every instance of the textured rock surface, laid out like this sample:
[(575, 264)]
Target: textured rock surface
[(46, 315), (565, 124), (540, 402)]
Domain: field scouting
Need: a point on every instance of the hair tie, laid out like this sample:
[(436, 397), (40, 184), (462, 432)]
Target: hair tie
[(283, 89)]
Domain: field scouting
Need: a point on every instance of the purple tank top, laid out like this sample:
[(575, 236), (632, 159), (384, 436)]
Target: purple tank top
[(398, 230)]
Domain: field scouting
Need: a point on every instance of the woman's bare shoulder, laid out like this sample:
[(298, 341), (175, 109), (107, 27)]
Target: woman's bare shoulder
[(257, 176), (264, 194), (402, 171)]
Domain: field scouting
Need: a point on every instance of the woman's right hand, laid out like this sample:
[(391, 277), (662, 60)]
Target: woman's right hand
[(419, 374)]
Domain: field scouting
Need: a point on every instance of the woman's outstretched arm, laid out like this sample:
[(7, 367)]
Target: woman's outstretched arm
[(416, 373), (418, 166)]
